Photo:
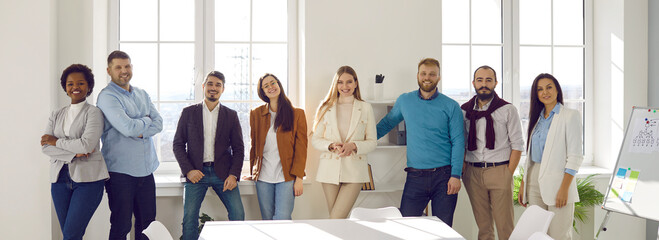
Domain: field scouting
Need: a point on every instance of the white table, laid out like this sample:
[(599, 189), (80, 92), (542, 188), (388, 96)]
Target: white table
[(392, 228)]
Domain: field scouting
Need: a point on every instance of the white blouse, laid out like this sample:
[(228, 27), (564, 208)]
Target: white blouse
[(71, 115), (271, 170)]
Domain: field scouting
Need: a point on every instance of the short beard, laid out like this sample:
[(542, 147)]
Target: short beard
[(485, 96), (429, 88), (210, 99)]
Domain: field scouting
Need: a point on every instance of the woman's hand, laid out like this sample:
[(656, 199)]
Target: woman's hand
[(348, 149), (561, 197), (85, 154), (48, 139), (335, 147), (520, 194), (297, 186)]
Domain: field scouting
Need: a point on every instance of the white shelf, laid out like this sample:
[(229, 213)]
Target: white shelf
[(389, 146), (385, 188), (382, 101)]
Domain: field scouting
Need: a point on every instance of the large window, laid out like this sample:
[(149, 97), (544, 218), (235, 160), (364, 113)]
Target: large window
[(173, 45), (520, 39)]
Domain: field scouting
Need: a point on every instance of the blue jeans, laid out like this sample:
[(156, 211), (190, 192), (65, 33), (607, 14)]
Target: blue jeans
[(128, 196), (276, 200), (422, 186), (75, 203), (193, 195)]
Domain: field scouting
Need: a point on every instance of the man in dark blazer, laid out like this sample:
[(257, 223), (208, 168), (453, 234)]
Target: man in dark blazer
[(209, 148)]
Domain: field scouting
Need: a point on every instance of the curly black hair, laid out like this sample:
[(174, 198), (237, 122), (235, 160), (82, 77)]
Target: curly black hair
[(78, 68)]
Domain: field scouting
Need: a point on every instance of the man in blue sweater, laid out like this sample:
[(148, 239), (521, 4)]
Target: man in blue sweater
[(435, 145)]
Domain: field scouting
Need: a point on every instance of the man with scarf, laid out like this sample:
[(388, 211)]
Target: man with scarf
[(494, 145)]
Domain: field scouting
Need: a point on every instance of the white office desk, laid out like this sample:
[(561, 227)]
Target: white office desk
[(394, 228)]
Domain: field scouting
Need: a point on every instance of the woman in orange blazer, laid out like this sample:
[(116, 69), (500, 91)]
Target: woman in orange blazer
[(279, 150)]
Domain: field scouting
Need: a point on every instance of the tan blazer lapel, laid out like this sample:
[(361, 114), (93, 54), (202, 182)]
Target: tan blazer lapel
[(354, 119), (333, 120)]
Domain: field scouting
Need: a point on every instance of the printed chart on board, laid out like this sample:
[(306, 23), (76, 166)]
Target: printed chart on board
[(645, 138)]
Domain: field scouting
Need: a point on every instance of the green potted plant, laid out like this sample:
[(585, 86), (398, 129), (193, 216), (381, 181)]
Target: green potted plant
[(202, 220), (588, 196)]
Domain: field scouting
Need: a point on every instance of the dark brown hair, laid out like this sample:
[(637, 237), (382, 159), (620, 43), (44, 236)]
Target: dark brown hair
[(285, 113), (536, 106), (117, 54)]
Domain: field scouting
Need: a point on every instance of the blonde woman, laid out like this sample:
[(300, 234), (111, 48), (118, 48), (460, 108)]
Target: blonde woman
[(344, 130)]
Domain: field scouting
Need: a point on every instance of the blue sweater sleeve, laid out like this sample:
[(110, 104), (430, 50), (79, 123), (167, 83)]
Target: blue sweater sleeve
[(456, 131), (392, 119)]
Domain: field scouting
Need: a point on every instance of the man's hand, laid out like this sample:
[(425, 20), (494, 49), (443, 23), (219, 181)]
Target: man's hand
[(297, 186), (453, 186), (48, 139), (194, 176), (230, 183)]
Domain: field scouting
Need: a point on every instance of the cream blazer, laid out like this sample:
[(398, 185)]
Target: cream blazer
[(354, 168), (563, 149), (85, 135)]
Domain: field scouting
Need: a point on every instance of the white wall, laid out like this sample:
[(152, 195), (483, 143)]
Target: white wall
[(620, 82), (620, 71), (27, 52), (653, 54)]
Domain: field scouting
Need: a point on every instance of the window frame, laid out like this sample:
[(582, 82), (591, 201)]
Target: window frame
[(510, 75), (204, 57)]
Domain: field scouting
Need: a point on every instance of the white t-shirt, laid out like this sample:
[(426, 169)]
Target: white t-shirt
[(271, 170)]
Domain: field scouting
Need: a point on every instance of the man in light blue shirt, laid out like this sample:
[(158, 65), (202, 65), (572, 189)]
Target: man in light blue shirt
[(131, 121)]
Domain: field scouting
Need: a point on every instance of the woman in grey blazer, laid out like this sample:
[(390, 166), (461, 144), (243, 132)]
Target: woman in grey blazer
[(77, 168)]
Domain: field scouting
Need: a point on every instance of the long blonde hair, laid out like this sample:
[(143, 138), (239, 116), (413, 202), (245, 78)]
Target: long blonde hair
[(333, 94)]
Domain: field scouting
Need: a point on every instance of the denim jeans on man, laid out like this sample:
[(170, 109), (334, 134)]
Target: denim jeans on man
[(422, 186), (276, 200), (75, 203), (194, 194), (128, 195)]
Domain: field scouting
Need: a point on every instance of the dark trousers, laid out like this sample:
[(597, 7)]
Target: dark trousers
[(75, 203), (128, 196), (423, 186)]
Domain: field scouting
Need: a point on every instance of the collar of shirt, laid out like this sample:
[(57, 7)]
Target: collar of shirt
[(120, 89), (216, 109), (485, 107), (555, 110), (77, 106), (434, 95)]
